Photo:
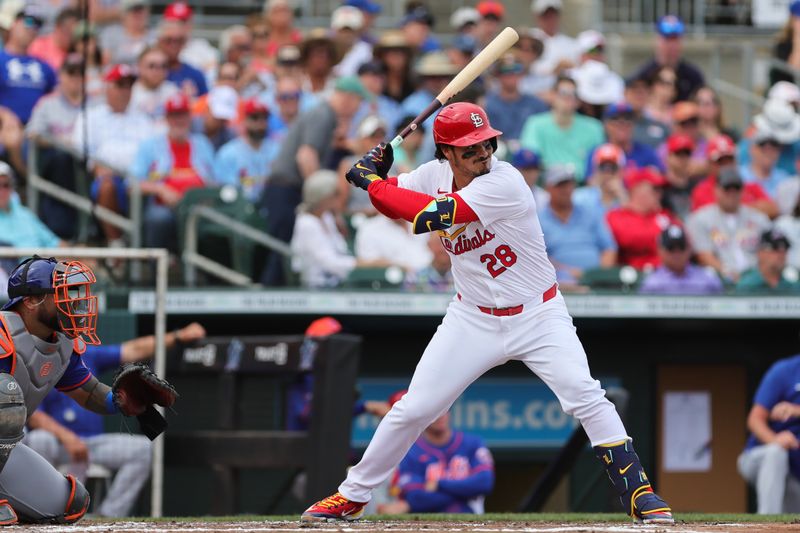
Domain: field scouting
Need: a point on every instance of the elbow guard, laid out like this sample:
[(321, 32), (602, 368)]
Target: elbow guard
[(439, 214)]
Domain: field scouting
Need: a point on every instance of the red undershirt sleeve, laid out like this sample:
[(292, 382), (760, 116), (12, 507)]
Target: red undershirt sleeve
[(396, 202)]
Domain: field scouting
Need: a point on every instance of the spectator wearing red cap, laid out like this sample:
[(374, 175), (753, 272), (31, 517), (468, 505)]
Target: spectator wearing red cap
[(53, 47), (604, 190), (721, 153), (444, 471), (677, 195), (24, 78), (726, 234), (111, 137), (637, 225), (152, 88), (245, 161), (618, 121), (491, 15), (124, 42), (167, 165), (172, 38), (198, 52)]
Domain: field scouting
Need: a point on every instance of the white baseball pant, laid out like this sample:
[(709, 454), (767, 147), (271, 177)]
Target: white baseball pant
[(465, 346)]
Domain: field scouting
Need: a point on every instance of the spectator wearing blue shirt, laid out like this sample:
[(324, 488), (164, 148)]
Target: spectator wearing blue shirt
[(172, 37), (23, 78), (677, 275), (618, 121), (577, 237), (780, 117), (765, 149), (605, 189), (19, 226), (66, 433), (444, 471), (506, 107), (168, 165), (245, 161), (373, 76), (771, 458)]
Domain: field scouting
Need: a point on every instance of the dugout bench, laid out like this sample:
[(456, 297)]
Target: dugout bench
[(322, 451)]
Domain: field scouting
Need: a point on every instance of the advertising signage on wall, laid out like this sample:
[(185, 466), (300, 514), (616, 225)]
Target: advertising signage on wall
[(511, 413)]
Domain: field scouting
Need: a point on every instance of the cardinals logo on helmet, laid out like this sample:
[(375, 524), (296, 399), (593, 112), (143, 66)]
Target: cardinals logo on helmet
[(476, 119)]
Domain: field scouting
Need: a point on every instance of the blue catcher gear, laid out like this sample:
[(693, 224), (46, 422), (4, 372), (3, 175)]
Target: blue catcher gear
[(437, 215)]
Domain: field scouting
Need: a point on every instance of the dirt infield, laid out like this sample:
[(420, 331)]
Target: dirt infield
[(90, 526)]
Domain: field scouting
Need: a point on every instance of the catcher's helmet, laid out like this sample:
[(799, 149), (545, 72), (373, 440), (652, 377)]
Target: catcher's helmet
[(463, 124), (70, 283)]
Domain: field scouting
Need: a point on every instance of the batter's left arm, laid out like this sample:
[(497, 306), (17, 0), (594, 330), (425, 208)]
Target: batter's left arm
[(425, 212)]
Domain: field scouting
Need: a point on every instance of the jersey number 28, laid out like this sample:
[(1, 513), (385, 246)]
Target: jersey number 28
[(500, 261)]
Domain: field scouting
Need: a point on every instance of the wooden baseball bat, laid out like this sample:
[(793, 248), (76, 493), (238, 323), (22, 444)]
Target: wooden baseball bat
[(504, 40)]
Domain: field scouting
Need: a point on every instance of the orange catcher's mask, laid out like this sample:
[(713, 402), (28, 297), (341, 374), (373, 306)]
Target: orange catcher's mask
[(70, 283)]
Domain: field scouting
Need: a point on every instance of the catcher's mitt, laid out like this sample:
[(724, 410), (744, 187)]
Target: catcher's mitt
[(136, 389)]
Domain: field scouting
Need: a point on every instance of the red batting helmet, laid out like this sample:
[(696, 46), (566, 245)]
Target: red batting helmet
[(462, 124)]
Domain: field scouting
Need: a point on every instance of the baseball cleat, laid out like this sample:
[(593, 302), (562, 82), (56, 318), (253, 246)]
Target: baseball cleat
[(649, 508), (332, 509)]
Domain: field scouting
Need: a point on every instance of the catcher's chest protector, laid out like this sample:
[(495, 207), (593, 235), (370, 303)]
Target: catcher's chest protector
[(40, 364)]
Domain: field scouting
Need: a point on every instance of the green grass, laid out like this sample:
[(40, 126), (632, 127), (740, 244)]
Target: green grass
[(691, 518)]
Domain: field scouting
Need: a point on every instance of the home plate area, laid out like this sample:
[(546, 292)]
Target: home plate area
[(213, 526)]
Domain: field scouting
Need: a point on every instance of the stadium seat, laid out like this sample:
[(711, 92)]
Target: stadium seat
[(374, 278), (613, 278)]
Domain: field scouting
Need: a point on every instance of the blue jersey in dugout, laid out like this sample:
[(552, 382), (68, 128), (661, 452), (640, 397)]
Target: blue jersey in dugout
[(463, 468), (781, 383)]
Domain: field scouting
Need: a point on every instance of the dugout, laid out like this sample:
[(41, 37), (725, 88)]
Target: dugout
[(633, 342)]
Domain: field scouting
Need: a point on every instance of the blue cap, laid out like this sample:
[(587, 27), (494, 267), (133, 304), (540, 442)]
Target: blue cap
[(617, 109), (525, 158), (670, 26), (364, 5), (418, 14), (32, 277), (794, 8)]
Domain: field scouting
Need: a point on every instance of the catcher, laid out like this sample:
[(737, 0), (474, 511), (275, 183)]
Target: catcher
[(44, 328)]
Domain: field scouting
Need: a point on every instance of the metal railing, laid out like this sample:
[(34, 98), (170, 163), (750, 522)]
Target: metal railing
[(700, 16), (37, 185), (193, 259), (161, 257)]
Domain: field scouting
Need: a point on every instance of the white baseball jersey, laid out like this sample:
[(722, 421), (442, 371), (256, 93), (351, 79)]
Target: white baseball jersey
[(500, 261)]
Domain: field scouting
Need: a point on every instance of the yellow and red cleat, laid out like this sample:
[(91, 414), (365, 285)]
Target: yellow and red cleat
[(333, 508)]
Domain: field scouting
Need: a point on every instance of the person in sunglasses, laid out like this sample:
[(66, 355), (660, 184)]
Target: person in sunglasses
[(24, 78), (770, 274), (677, 274), (726, 234)]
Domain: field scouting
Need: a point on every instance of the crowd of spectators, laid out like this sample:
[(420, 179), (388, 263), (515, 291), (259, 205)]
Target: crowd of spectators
[(616, 160)]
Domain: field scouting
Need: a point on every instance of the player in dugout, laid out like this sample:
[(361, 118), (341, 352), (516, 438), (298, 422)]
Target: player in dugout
[(445, 471), (507, 307)]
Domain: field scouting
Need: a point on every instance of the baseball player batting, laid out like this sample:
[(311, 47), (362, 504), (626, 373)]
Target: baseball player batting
[(44, 328), (507, 307)]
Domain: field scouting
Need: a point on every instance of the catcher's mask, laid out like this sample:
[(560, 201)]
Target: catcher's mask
[(70, 283)]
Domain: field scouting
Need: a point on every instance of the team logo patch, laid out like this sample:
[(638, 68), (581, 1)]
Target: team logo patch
[(45, 370), (11, 386), (476, 119)]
